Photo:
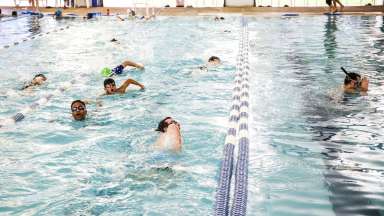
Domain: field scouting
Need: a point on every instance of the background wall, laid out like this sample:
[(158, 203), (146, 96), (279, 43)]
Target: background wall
[(200, 3)]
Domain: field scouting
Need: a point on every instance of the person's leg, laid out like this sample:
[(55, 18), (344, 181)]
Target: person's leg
[(334, 7), (133, 64), (341, 5)]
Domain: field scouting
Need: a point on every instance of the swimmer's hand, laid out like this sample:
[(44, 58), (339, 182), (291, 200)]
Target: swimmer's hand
[(99, 104), (142, 87), (140, 66), (364, 84)]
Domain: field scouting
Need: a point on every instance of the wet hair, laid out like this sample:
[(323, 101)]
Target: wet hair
[(40, 75), (113, 40), (78, 101), (222, 18), (109, 81), (30, 84), (213, 58), (351, 76), (162, 125)]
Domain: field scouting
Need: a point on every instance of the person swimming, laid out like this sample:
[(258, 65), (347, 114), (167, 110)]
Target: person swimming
[(58, 14), (39, 79), (218, 18), (110, 86), (108, 72), (79, 110), (214, 60), (170, 136), (353, 82)]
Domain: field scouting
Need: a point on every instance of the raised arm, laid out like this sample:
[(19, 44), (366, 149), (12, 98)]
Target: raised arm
[(125, 85), (133, 64), (173, 131)]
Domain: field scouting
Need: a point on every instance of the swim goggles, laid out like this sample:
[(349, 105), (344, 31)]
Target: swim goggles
[(77, 109)]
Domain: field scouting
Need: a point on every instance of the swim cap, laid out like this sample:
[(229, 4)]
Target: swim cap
[(106, 72)]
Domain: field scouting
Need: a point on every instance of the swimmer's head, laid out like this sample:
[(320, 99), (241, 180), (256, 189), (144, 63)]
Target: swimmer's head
[(214, 60), (39, 79), (109, 86), (352, 78), (79, 110), (163, 124), (353, 81), (219, 18)]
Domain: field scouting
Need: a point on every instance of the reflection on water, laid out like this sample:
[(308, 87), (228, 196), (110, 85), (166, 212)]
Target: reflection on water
[(34, 25), (330, 44)]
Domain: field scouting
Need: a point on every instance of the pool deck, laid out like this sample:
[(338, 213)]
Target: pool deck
[(349, 10)]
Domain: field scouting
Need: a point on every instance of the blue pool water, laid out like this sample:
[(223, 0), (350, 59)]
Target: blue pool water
[(313, 151)]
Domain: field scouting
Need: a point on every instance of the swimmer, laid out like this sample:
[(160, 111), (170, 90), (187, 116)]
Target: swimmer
[(170, 136), (58, 14), (79, 110), (214, 60), (131, 13), (115, 41), (107, 72), (353, 82), (39, 79), (110, 86), (118, 17), (219, 18)]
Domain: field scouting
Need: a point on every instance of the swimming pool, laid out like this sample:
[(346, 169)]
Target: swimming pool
[(25, 27), (308, 154)]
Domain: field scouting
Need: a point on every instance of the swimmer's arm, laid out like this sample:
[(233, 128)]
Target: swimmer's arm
[(26, 86), (125, 85), (119, 18), (90, 101), (174, 130), (133, 64)]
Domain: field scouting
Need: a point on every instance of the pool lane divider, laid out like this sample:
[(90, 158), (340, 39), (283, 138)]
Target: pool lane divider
[(33, 37), (224, 183), (240, 198), (237, 137)]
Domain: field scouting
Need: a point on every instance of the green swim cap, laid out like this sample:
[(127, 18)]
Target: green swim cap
[(106, 72)]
